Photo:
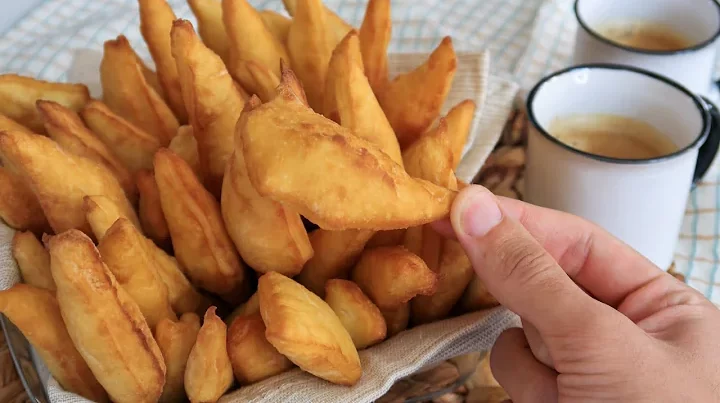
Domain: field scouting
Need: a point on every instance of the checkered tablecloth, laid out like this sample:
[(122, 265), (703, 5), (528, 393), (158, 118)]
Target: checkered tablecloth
[(527, 39)]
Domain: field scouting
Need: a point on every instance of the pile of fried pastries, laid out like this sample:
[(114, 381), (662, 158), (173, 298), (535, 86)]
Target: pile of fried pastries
[(260, 202)]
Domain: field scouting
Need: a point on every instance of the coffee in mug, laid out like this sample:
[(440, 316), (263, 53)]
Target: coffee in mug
[(612, 136), (644, 35)]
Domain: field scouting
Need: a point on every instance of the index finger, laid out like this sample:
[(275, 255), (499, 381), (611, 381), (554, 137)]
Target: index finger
[(604, 266)]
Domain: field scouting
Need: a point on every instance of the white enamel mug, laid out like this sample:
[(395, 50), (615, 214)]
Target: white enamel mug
[(697, 20), (641, 202)]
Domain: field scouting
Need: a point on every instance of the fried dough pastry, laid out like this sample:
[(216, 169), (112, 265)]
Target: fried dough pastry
[(33, 260), (7, 124), (125, 252), (269, 236), (253, 358), (476, 297), (291, 83), (185, 146), (249, 307), (61, 180), (277, 24), (310, 49), (198, 234), (412, 101), (392, 237), (312, 165), (213, 103), (36, 313), (150, 75), (102, 318), (127, 92), (397, 319), (183, 296), (133, 146), (175, 340), (101, 214), (454, 272), (209, 373), (336, 252), (152, 218), (392, 276), (337, 27), (375, 33), (18, 95), (264, 81), (361, 318), (19, 207), (250, 40), (459, 121), (304, 328), (357, 107), (67, 129), (156, 19), (211, 28), (431, 157)]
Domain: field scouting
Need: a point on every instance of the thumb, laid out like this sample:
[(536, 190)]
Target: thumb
[(515, 267)]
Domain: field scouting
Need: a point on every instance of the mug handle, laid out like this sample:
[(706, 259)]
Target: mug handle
[(709, 149)]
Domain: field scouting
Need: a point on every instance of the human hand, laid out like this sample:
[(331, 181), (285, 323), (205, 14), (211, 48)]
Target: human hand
[(600, 322)]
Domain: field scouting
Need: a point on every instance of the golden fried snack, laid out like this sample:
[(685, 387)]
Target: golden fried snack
[(431, 157), (337, 27), (125, 252), (362, 319), (36, 313), (132, 145), (61, 180), (302, 327), (250, 40), (100, 316), (392, 237), (10, 125), (312, 165), (412, 101), (291, 83), (310, 49), (249, 307), (397, 319), (152, 218), (336, 252), (185, 146), (67, 129), (459, 121), (101, 214), (253, 358), (269, 236), (150, 75), (156, 19), (19, 207), (476, 297), (127, 92), (183, 296), (175, 340), (209, 372), (264, 81), (277, 24), (199, 238), (33, 260), (18, 95), (213, 102), (211, 27), (454, 272), (375, 34), (391, 276), (357, 107)]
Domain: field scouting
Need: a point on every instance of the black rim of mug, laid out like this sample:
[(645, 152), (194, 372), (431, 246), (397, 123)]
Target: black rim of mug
[(693, 48), (703, 107)]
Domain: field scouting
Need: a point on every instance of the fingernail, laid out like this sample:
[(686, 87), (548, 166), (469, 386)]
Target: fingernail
[(478, 212)]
